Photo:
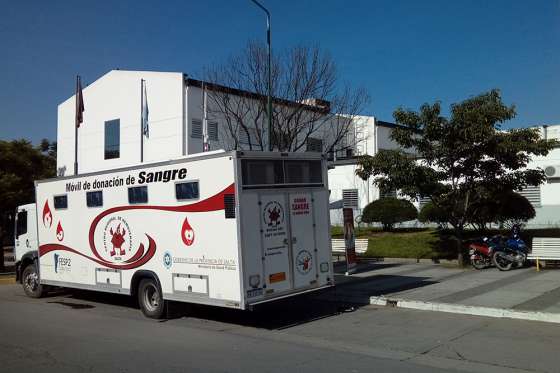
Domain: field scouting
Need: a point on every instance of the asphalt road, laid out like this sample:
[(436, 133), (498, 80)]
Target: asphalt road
[(84, 331)]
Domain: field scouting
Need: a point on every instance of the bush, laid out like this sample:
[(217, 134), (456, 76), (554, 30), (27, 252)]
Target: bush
[(430, 213), (388, 212)]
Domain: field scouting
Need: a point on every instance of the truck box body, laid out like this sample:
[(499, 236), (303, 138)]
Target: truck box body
[(230, 229)]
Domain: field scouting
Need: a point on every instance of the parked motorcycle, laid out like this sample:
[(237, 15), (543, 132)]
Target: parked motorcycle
[(511, 253), (481, 253)]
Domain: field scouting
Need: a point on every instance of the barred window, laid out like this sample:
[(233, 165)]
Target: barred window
[(350, 198), (196, 129), (533, 194), (314, 145), (213, 131)]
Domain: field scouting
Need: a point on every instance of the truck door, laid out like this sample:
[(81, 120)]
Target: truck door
[(273, 214), (302, 229), (25, 232)]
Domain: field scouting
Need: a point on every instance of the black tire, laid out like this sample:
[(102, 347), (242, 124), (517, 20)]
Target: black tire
[(31, 282), (503, 265), (150, 299), (478, 264)]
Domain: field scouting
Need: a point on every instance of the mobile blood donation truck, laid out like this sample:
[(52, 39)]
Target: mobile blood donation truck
[(230, 229)]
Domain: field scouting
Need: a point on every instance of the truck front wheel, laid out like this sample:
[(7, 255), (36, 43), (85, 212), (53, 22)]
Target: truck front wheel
[(31, 283), (150, 299)]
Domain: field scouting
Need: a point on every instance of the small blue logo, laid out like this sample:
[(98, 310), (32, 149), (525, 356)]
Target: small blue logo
[(55, 263), (167, 260)]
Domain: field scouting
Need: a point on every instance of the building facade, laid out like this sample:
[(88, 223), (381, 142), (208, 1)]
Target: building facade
[(111, 136)]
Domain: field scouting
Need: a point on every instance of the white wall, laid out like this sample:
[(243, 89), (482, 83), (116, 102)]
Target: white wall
[(116, 95)]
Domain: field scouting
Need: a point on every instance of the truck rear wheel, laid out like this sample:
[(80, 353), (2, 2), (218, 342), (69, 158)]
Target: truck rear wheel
[(31, 283), (150, 299)]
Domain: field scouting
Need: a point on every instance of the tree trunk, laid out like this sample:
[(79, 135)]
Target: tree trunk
[(2, 264), (461, 259)]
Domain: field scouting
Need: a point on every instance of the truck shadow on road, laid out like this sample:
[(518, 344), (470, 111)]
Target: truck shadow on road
[(351, 293)]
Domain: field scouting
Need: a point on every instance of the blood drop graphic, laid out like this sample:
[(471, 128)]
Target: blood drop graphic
[(187, 233), (47, 215), (59, 232)]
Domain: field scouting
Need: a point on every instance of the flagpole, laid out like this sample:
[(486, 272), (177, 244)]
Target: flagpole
[(76, 124), (205, 119), (141, 120)]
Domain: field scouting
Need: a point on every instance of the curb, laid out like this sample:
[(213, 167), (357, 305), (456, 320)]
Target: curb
[(467, 310), (7, 280)]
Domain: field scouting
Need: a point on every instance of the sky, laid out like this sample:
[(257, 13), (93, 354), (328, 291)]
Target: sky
[(405, 53)]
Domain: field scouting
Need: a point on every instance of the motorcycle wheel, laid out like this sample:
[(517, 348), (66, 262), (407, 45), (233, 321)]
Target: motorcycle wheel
[(478, 264), (502, 263)]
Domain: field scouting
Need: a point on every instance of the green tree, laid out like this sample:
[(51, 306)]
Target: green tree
[(21, 164), (460, 160), (388, 212), (430, 213)]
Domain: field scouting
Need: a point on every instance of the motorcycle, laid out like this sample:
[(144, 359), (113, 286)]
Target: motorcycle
[(500, 251), (481, 253), (512, 252)]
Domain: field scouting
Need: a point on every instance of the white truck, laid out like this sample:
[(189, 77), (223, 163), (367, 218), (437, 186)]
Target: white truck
[(231, 229)]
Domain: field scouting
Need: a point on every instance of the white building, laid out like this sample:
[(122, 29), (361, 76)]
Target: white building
[(111, 133), (546, 197), (110, 137)]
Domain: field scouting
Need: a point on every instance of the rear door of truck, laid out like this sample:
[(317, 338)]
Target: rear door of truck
[(279, 224)]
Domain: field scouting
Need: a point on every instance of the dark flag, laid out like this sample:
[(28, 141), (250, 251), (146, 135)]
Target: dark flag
[(79, 102)]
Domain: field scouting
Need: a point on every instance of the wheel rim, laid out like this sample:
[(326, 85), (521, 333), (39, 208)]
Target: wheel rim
[(31, 282), (151, 297), (501, 261)]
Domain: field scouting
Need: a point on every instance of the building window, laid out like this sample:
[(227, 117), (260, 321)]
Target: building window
[(213, 131), (94, 199), (246, 136), (387, 193), (533, 194), (188, 190), (314, 145), (350, 198), (112, 139), (138, 194), (196, 129), (61, 202)]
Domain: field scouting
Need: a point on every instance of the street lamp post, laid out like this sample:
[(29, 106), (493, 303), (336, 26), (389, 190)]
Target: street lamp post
[(269, 103)]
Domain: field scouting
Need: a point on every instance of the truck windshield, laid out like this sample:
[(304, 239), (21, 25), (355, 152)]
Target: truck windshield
[(21, 223)]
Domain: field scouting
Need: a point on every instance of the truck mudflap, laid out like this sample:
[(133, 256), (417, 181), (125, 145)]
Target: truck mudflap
[(250, 305)]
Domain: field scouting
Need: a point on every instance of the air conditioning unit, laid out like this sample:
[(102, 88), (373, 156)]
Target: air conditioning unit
[(552, 172)]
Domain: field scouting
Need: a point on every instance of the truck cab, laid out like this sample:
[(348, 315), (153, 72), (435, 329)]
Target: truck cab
[(25, 237)]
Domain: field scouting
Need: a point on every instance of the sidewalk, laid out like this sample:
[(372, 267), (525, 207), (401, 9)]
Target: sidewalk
[(523, 293)]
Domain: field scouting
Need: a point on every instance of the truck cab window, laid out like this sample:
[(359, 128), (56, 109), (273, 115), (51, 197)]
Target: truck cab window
[(188, 190), (21, 223), (60, 202), (94, 199), (138, 194)]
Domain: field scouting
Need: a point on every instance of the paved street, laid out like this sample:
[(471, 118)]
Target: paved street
[(82, 331)]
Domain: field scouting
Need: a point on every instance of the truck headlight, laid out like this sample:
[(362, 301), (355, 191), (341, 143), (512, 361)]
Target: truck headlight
[(254, 281)]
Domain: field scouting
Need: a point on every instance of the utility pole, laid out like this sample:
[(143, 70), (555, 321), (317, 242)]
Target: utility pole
[(269, 103)]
